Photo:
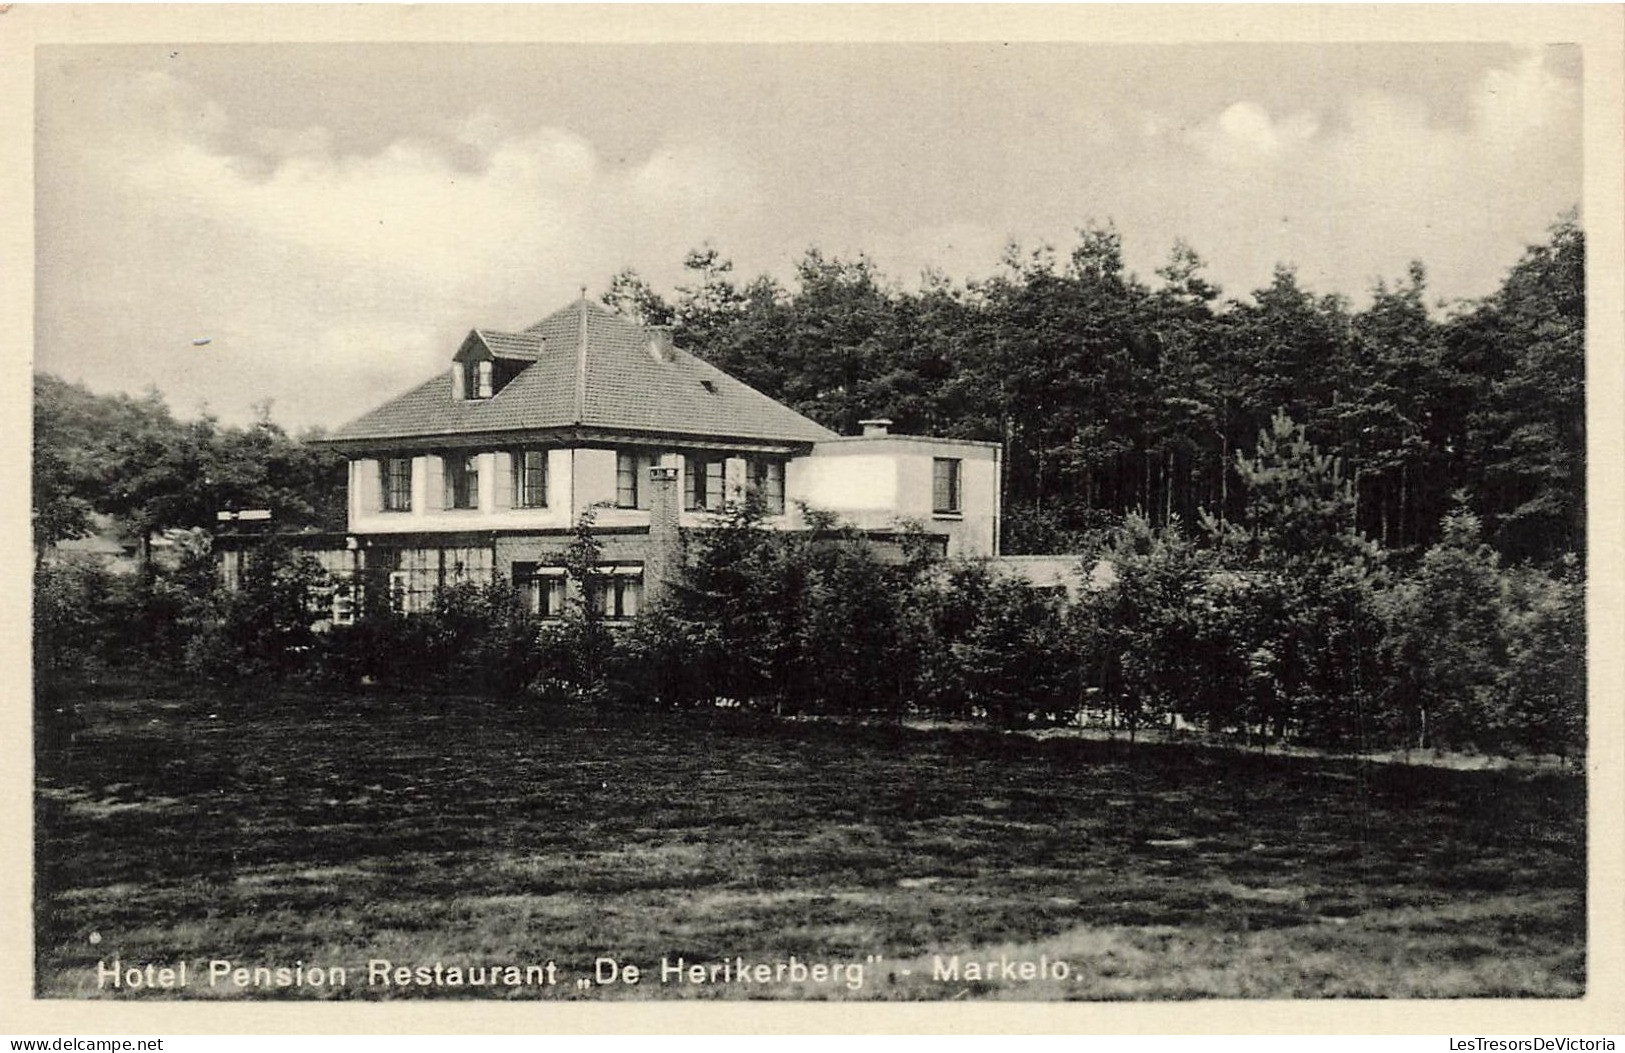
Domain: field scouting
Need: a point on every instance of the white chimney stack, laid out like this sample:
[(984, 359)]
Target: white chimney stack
[(875, 426)]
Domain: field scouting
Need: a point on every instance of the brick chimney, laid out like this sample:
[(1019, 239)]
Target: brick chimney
[(665, 554), (875, 426)]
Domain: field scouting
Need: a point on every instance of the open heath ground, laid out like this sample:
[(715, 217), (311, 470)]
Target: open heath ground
[(320, 831)]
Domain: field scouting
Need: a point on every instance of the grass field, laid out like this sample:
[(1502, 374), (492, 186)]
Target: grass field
[(334, 831)]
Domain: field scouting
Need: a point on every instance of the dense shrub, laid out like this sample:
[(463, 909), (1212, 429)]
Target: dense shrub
[(73, 620), (483, 638), (1014, 661), (1485, 657), (89, 619), (1546, 673), (260, 632), (1284, 624), (1447, 640), (1148, 626), (475, 638), (850, 654)]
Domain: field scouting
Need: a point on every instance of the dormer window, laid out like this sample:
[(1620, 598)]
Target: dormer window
[(480, 378)]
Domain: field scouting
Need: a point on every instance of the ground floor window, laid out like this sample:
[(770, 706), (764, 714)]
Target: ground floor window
[(343, 605), (540, 588), (337, 598), (618, 594), (406, 594), (465, 564), (416, 574)]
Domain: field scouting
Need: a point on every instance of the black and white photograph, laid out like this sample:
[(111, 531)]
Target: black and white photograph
[(957, 517)]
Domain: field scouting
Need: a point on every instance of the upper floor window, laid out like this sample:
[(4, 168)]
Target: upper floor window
[(462, 480), (479, 378), (703, 482), (945, 485), (632, 478), (396, 476), (530, 478), (767, 479)]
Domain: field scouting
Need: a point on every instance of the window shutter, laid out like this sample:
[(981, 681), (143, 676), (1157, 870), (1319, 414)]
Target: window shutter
[(369, 486), (434, 487), (505, 467)]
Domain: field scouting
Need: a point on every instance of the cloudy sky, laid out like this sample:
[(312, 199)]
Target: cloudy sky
[(333, 218)]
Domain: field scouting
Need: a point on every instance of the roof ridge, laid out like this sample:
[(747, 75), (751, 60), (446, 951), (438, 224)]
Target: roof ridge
[(560, 313), (576, 305), (581, 360)]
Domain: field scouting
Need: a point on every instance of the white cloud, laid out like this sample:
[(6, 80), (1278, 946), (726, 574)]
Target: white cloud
[(1244, 134), (1514, 105), (483, 129), (337, 265), (1350, 195)]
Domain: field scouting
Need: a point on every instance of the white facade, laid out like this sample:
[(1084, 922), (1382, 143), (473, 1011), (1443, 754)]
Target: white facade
[(877, 483)]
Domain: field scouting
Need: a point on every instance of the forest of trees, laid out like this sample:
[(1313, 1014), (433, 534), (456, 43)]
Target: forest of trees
[(1112, 395), (130, 459), (1357, 528)]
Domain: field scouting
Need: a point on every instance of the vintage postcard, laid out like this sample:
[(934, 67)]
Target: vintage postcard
[(816, 518)]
